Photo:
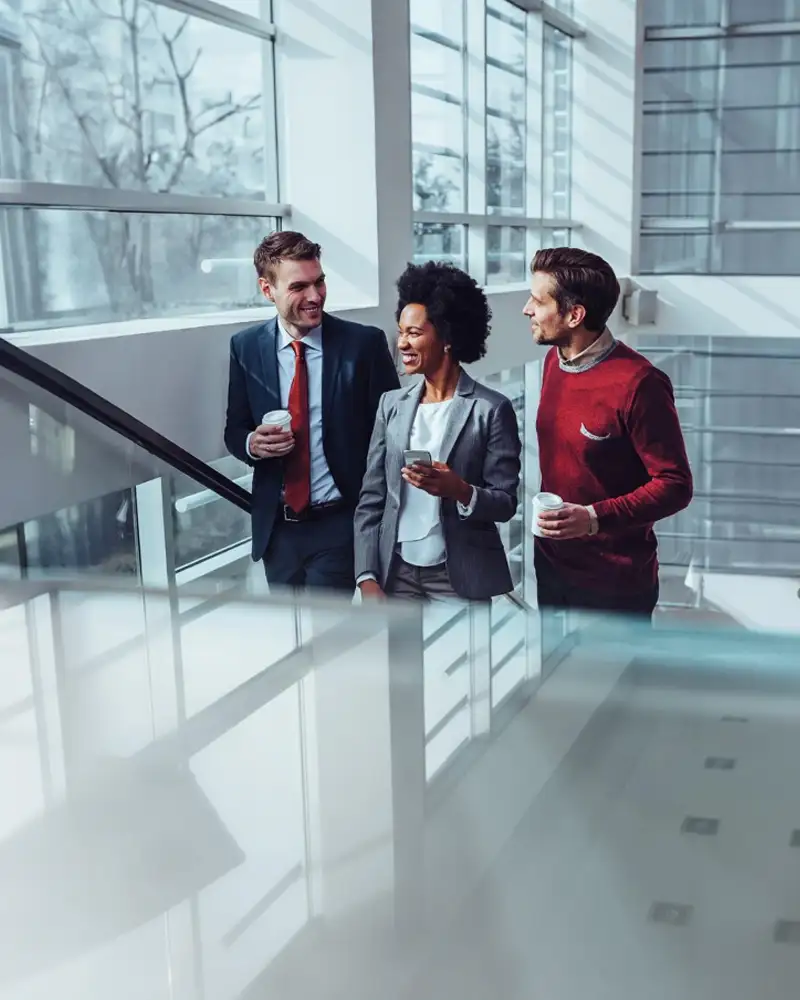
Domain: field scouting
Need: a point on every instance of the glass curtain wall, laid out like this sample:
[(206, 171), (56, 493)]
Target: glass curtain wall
[(137, 158), (439, 109), (721, 137), (492, 132)]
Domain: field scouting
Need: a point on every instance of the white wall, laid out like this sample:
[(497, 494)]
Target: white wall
[(725, 306), (326, 120), (604, 116)]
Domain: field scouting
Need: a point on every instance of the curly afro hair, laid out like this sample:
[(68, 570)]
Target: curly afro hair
[(455, 303)]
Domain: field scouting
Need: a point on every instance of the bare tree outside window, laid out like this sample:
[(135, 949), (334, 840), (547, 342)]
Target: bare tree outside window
[(131, 95)]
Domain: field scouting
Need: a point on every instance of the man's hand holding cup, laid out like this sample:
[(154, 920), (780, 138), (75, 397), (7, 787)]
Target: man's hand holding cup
[(273, 438)]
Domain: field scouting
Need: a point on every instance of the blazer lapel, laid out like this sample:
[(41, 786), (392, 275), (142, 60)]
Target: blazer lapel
[(331, 361), (463, 401), (269, 361), (400, 427)]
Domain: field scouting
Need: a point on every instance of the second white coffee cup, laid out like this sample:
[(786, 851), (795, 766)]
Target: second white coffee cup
[(542, 502), (278, 418)]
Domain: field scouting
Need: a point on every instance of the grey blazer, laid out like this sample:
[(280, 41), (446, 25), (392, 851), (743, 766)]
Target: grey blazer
[(482, 445)]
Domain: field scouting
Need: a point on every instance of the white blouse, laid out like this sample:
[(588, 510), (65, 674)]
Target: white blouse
[(419, 531)]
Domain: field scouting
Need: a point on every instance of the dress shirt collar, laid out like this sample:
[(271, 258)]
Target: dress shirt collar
[(589, 357), (312, 339)]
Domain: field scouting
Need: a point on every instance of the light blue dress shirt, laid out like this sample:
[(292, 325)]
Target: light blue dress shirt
[(323, 488)]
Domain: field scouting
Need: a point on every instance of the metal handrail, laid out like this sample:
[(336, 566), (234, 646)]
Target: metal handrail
[(98, 408)]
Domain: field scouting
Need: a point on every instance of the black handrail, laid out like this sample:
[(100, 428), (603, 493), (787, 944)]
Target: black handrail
[(63, 386)]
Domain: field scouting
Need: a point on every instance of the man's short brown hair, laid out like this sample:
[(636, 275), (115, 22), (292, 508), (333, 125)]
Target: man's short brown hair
[(283, 245), (580, 279)]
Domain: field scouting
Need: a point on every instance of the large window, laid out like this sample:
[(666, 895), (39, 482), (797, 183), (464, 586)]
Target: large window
[(721, 137), (438, 105), (137, 157), (492, 133)]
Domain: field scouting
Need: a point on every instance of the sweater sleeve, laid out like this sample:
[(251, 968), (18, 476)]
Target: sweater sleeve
[(655, 432)]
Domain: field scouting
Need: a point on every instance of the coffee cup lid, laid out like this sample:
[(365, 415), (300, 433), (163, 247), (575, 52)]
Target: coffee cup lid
[(276, 417), (548, 500)]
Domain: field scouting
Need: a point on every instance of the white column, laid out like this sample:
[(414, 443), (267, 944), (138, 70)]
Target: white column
[(605, 109), (326, 132), (391, 34)]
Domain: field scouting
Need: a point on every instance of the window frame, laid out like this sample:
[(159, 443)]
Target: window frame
[(477, 217), (711, 225), (33, 194)]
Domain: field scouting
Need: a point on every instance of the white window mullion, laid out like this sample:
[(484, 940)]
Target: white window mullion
[(78, 197), (475, 89), (476, 107), (476, 252), (227, 17), (534, 132), (274, 183)]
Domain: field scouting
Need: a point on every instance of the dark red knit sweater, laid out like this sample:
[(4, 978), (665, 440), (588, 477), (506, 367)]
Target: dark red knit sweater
[(610, 436)]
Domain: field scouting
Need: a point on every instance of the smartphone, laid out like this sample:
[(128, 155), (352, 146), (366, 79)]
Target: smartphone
[(417, 458)]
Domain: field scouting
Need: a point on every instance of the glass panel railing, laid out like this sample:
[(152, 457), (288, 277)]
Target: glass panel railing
[(205, 525), (172, 789), (448, 689), (80, 497), (514, 659)]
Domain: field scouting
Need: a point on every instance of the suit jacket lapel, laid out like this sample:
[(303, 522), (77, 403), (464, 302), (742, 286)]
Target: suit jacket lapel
[(463, 401), (331, 361), (269, 360), (401, 426)]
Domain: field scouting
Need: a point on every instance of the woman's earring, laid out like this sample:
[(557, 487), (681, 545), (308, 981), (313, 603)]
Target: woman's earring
[(447, 348)]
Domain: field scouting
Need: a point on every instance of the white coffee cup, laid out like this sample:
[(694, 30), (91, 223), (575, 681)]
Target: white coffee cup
[(281, 419), (542, 502)]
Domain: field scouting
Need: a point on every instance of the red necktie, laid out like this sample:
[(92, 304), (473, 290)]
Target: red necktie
[(297, 471)]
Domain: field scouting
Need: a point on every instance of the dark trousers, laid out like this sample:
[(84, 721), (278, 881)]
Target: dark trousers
[(317, 553), (553, 591), (419, 583)]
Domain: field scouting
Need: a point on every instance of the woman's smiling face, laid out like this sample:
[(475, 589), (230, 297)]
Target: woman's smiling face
[(420, 347)]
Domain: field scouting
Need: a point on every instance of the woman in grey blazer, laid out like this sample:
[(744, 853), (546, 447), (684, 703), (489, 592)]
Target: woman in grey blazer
[(429, 531)]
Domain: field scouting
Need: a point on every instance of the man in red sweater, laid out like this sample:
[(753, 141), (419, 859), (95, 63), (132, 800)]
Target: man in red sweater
[(610, 444)]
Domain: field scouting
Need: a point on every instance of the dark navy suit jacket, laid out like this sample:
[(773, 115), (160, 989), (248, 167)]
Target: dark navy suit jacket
[(357, 369)]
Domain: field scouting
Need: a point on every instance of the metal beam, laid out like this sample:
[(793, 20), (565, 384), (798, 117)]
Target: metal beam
[(437, 38), (76, 197), (468, 219), (552, 16), (225, 16), (436, 94), (696, 224), (712, 31)]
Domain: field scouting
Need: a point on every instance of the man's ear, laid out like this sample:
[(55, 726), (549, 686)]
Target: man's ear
[(266, 289), (576, 316)]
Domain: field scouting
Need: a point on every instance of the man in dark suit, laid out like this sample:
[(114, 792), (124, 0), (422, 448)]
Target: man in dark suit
[(330, 375)]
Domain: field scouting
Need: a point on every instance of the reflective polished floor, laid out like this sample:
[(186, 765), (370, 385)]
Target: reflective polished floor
[(660, 860)]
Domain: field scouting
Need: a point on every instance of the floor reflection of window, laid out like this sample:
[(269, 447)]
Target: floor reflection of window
[(253, 777), (509, 649), (446, 659)]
